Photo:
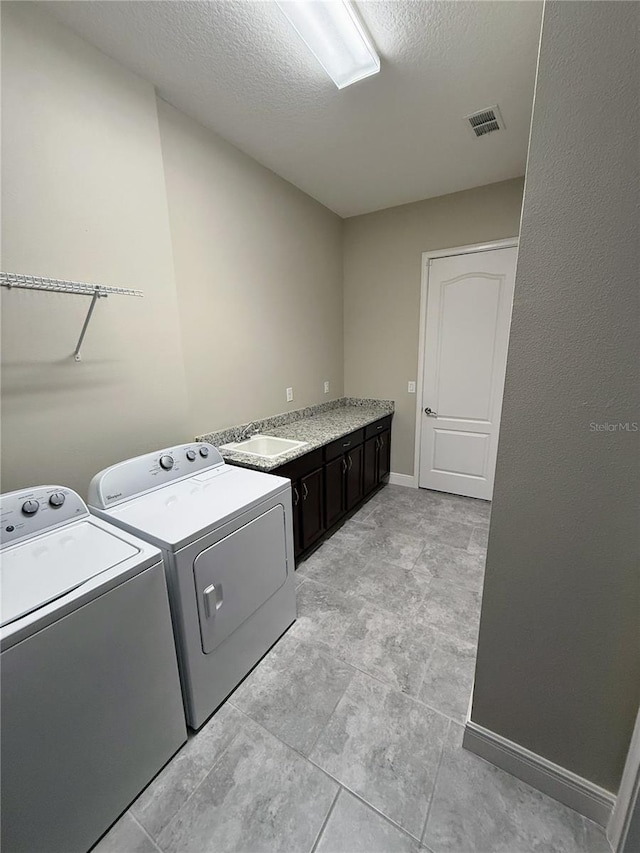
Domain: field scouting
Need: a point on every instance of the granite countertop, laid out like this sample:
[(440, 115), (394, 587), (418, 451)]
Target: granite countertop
[(316, 425)]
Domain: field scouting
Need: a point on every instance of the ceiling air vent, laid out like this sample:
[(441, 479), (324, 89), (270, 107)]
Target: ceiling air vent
[(485, 121)]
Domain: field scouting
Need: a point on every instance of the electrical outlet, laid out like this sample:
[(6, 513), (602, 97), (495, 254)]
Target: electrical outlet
[(326, 387), (412, 387), (289, 395)]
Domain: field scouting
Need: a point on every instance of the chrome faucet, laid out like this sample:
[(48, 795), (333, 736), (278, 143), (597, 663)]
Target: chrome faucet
[(248, 431)]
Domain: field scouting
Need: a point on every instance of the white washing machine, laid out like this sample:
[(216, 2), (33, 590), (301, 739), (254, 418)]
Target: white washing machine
[(91, 701), (227, 539)]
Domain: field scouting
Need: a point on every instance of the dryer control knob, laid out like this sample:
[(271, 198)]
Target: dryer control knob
[(191, 455), (166, 462), (204, 452), (56, 499), (30, 507)]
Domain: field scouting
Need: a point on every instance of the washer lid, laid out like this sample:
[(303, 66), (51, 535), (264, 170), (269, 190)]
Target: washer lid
[(48, 566)]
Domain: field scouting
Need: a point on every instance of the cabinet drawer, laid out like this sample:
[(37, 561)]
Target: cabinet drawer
[(300, 467), (343, 445), (377, 427)]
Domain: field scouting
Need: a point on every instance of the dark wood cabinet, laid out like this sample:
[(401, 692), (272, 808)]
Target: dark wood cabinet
[(311, 507), (332, 481), (297, 527), (384, 455), (343, 484), (370, 465), (334, 490), (354, 477), (306, 475), (377, 455)]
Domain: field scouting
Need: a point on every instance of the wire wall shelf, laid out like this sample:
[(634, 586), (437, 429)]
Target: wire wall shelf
[(12, 280)]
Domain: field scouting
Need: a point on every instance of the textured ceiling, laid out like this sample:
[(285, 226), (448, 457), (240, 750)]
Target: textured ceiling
[(397, 137)]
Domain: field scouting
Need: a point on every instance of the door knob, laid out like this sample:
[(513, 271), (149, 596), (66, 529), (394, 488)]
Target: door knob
[(430, 412)]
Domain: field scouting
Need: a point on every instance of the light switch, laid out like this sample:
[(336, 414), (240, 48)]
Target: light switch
[(412, 387), (289, 395), (326, 387)]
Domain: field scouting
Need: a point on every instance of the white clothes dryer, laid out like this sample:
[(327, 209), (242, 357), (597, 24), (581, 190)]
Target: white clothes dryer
[(227, 539)]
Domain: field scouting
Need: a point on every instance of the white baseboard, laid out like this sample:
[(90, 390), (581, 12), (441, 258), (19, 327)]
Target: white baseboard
[(403, 480), (579, 794)]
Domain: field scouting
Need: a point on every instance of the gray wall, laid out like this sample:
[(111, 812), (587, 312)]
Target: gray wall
[(241, 271), (83, 198), (258, 267), (559, 654), (382, 259), (632, 841)]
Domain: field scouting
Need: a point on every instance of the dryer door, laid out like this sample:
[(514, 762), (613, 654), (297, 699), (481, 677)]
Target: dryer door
[(238, 574)]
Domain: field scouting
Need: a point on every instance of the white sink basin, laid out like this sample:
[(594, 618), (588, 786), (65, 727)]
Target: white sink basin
[(267, 446)]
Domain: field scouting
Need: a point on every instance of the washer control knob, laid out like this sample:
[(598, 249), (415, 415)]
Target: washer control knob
[(56, 499), (166, 462), (191, 455), (204, 452), (30, 507)]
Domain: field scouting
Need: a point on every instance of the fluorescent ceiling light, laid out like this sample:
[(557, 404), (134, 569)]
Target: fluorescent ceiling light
[(334, 35)]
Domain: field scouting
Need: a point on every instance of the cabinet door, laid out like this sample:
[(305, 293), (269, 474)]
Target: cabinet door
[(334, 490), (311, 500), (297, 527), (384, 455), (354, 476), (370, 465)]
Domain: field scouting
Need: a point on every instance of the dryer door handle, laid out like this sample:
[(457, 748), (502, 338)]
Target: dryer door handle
[(212, 596)]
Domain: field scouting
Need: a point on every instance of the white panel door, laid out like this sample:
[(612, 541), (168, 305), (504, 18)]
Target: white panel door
[(467, 332)]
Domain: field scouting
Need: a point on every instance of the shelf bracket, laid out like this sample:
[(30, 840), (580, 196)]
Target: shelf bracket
[(85, 325), (12, 280)]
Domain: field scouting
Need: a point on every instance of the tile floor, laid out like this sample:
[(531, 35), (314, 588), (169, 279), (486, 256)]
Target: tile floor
[(347, 737)]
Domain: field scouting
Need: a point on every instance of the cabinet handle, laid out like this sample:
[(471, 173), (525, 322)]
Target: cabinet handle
[(378, 445), (346, 444), (296, 497), (380, 427), (381, 442), (305, 492), (344, 466), (350, 462)]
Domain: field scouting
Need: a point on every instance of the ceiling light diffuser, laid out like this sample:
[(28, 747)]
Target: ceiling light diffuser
[(333, 33)]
